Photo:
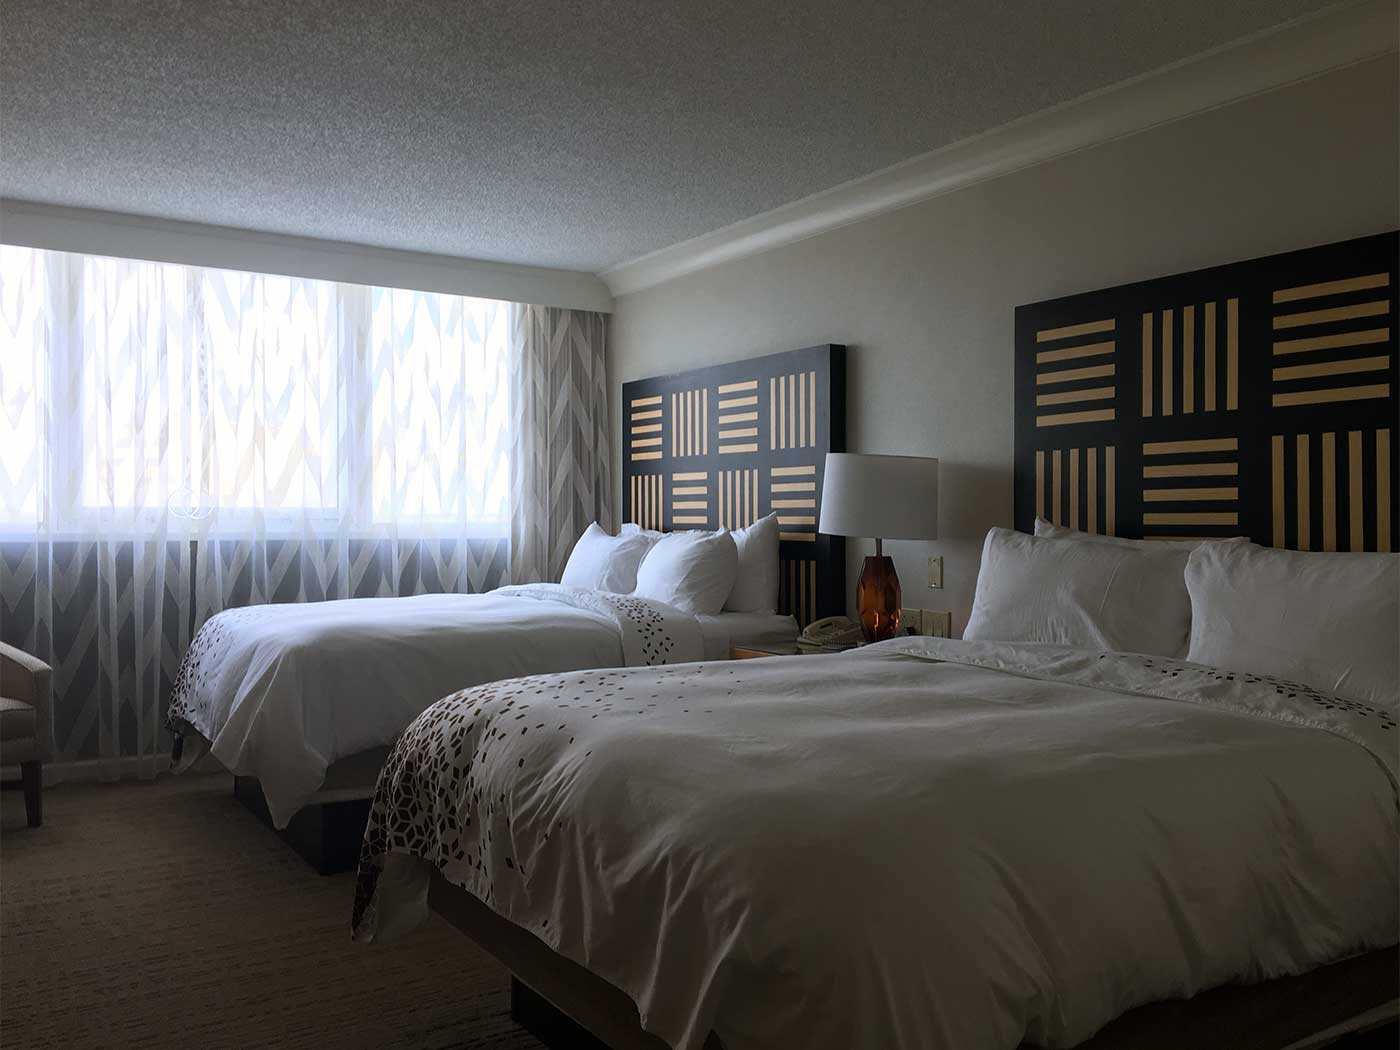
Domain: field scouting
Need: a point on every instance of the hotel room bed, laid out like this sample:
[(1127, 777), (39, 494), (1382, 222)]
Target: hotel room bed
[(923, 844), (305, 698)]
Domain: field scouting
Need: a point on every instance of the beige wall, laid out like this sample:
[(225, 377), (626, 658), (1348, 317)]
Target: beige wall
[(924, 296)]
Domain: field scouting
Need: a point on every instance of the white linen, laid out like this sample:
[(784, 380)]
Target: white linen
[(280, 692), (1331, 621), (693, 571), (756, 583), (731, 628), (1087, 595), (651, 632), (600, 562), (880, 850), (1050, 531)]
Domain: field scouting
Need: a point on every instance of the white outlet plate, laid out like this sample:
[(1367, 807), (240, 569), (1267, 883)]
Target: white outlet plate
[(937, 623), (935, 571), (911, 620)]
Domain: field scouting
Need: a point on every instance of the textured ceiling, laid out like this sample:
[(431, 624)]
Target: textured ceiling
[(555, 133)]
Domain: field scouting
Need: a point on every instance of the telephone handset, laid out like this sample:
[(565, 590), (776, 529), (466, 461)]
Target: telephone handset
[(834, 632)]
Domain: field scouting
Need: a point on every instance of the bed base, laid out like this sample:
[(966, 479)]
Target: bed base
[(565, 1006), (1288, 1013), (546, 1022), (555, 999), (327, 835)]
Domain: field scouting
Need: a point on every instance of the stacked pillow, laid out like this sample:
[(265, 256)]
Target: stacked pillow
[(699, 572), (693, 571), (1329, 621), (1088, 595)]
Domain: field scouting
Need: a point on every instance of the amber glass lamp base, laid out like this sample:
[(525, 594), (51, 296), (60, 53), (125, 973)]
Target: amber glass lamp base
[(878, 599)]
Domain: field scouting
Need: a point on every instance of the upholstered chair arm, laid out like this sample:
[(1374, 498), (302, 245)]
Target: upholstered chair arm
[(27, 678)]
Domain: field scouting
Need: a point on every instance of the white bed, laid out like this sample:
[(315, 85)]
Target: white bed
[(305, 697), (1025, 840), (923, 844), (1120, 793)]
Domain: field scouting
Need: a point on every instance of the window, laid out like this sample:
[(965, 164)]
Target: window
[(24, 402), (270, 396), (214, 397), (437, 462)]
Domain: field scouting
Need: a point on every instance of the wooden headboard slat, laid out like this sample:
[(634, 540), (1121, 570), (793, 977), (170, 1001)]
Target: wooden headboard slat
[(729, 444), (1258, 399)]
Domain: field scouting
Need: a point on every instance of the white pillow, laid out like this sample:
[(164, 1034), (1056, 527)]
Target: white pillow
[(600, 562), (1050, 531), (1331, 621), (694, 571), (1088, 595), (756, 585)]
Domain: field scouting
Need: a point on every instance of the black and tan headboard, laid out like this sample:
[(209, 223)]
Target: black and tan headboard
[(729, 444), (1255, 399)]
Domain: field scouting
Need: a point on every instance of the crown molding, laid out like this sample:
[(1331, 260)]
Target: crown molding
[(56, 228), (1265, 61)]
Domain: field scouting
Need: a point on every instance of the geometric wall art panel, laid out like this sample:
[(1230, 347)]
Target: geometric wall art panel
[(726, 445), (1257, 399)]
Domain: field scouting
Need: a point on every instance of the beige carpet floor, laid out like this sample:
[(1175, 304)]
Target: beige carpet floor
[(164, 915)]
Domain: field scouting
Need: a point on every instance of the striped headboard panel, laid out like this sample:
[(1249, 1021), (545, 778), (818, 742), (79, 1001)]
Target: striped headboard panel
[(1255, 399), (728, 444)]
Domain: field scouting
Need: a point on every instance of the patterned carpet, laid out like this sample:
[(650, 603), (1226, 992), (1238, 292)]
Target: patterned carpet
[(164, 915)]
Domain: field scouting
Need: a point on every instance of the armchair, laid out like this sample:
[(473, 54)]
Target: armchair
[(26, 730)]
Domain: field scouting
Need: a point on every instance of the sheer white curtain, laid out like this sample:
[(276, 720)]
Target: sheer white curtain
[(175, 441)]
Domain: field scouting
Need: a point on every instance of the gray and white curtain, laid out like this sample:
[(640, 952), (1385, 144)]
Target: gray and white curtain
[(560, 460), (176, 440)]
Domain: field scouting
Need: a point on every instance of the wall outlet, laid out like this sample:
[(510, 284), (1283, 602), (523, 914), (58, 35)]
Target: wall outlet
[(935, 571), (911, 621), (937, 623)]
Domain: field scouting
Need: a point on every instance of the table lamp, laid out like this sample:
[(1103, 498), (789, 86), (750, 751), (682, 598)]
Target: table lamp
[(888, 498)]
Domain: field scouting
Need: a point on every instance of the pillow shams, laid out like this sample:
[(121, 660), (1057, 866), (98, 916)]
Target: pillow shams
[(600, 562), (1330, 621), (693, 571), (1088, 595)]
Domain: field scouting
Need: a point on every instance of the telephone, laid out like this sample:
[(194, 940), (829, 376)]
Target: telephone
[(835, 632)]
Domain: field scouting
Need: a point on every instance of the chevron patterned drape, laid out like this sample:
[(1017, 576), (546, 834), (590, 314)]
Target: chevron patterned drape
[(560, 459), (175, 441)]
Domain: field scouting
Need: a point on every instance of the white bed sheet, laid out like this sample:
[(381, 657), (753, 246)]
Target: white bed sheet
[(282, 692), (739, 628), (921, 845)]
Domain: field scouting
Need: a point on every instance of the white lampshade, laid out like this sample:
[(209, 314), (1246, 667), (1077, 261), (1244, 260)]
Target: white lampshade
[(883, 497)]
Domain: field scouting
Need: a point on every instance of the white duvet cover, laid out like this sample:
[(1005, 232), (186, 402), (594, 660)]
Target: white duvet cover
[(280, 692), (922, 845)]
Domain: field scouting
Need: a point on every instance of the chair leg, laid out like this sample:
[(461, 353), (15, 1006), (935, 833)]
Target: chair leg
[(32, 774)]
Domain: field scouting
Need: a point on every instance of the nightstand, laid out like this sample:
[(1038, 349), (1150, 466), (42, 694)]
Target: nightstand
[(758, 652)]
